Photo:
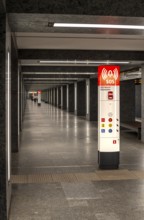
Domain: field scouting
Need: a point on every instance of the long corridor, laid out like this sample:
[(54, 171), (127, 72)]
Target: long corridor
[(61, 149)]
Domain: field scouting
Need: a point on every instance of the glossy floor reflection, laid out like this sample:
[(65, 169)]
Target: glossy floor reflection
[(54, 141)]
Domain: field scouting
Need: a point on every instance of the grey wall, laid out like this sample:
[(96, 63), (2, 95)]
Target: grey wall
[(127, 101), (138, 100)]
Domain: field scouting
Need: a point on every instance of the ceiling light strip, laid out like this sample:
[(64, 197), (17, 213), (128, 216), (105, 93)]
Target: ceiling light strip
[(113, 26), (82, 62)]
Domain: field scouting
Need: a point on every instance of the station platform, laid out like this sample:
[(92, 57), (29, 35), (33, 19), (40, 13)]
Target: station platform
[(56, 175)]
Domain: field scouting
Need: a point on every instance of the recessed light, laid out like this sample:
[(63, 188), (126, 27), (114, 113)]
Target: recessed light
[(113, 26)]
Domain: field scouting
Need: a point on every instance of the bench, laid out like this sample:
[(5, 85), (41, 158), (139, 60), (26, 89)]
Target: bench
[(134, 126)]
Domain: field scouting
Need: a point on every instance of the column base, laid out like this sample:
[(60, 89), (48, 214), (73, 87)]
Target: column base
[(108, 160)]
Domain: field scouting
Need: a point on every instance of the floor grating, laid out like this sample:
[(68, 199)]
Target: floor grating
[(78, 177)]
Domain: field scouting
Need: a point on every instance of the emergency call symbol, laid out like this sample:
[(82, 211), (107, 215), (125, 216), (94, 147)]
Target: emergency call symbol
[(110, 74)]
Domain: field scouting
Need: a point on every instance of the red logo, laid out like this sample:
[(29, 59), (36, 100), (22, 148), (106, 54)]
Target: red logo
[(108, 75)]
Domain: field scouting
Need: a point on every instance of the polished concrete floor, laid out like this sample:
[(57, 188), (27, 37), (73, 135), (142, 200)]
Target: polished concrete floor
[(56, 142)]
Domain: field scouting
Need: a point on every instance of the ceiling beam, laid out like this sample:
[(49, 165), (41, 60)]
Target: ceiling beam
[(131, 8), (64, 69), (56, 76), (80, 55)]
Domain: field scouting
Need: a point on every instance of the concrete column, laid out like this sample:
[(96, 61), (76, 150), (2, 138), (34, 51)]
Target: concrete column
[(64, 98), (92, 99), (75, 98), (20, 120), (14, 98), (55, 96), (71, 98), (49, 96), (127, 101), (67, 97), (5, 117), (52, 96), (81, 99), (59, 97), (142, 105)]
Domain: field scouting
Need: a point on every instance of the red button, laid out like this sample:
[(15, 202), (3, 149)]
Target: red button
[(102, 119), (114, 141), (110, 119)]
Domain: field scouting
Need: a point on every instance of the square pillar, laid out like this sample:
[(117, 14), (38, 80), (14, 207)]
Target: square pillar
[(64, 94), (80, 99), (67, 97), (59, 97), (53, 96), (127, 101), (92, 100), (71, 98)]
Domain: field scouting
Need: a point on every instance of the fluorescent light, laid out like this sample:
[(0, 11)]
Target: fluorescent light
[(87, 62), (113, 26), (51, 79)]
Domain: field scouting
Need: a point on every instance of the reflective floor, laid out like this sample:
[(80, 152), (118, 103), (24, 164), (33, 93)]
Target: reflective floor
[(56, 142)]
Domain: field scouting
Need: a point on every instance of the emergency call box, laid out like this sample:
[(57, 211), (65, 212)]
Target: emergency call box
[(108, 115)]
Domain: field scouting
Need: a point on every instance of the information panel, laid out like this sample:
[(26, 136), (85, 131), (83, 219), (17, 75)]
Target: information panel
[(108, 116)]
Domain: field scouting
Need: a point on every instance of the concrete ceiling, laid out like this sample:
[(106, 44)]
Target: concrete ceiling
[(37, 41)]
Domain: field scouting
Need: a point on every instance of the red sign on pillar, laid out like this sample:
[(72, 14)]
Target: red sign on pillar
[(108, 75)]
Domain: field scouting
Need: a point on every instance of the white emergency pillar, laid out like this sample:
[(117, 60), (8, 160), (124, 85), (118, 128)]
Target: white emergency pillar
[(108, 117), (39, 98)]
